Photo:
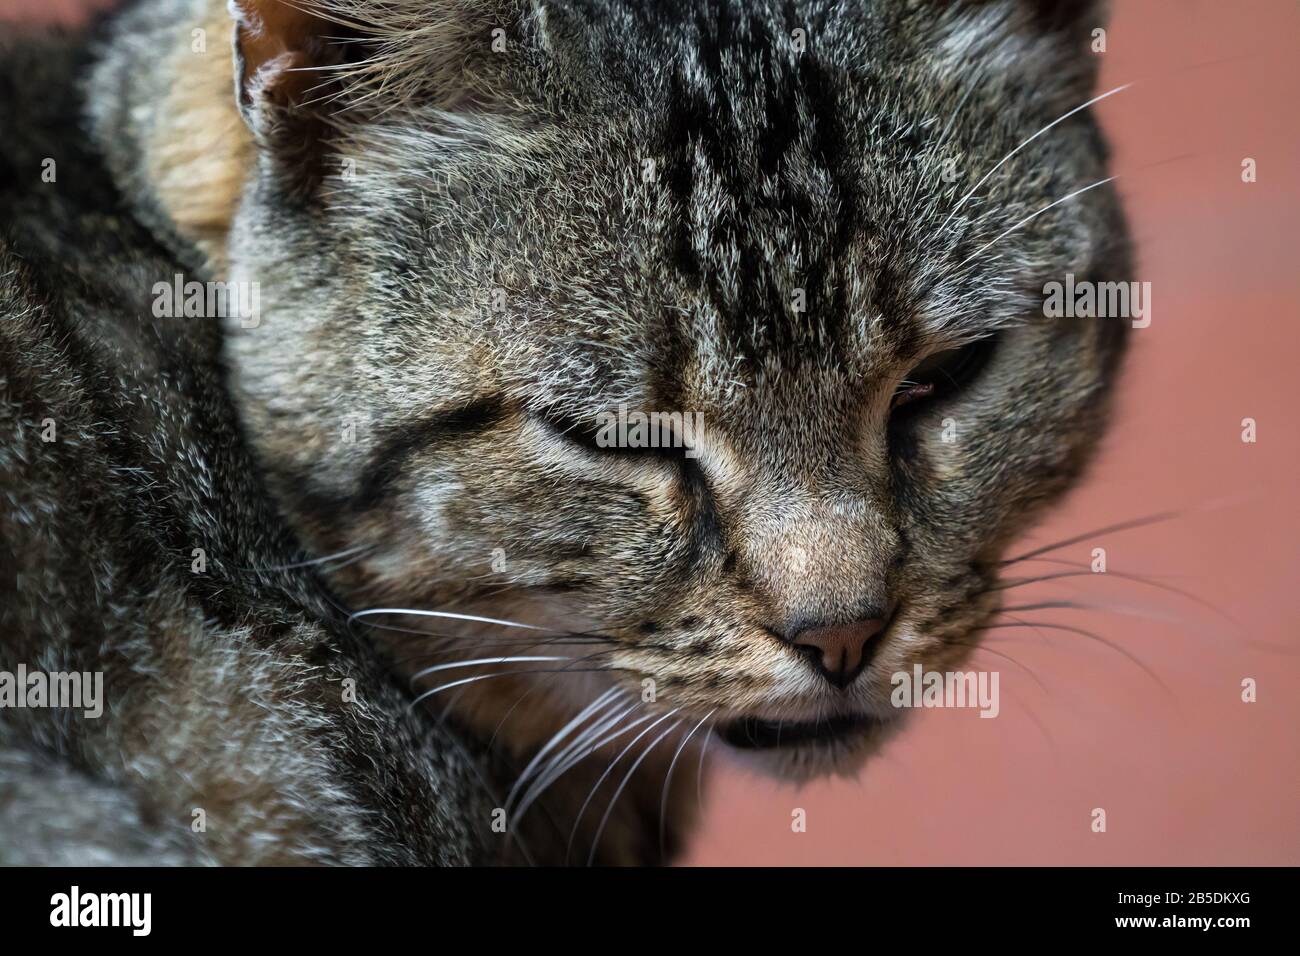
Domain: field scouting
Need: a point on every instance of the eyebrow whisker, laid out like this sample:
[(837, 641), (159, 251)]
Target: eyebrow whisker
[(983, 179), (1032, 216)]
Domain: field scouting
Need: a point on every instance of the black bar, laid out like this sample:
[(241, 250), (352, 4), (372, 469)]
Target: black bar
[(431, 908)]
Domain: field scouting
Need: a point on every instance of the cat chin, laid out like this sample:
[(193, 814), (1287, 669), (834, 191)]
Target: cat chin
[(839, 751)]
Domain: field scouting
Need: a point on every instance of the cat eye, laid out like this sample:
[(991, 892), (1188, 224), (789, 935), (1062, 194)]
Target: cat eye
[(571, 429), (628, 434), (943, 373)]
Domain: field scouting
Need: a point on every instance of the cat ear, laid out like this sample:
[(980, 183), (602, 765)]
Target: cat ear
[(284, 57), (306, 68)]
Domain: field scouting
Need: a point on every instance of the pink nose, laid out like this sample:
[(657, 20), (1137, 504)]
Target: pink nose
[(841, 649)]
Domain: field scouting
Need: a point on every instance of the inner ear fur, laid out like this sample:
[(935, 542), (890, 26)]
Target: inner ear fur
[(282, 50), (283, 55)]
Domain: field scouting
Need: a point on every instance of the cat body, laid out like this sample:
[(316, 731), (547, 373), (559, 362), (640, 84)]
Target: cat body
[(138, 541)]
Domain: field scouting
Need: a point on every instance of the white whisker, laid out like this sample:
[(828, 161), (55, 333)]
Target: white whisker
[(457, 683), (562, 763), (449, 615), (325, 559), (668, 779), (470, 680), (600, 828), (983, 179), (594, 707), (483, 660), (699, 773), (1033, 216), (608, 770)]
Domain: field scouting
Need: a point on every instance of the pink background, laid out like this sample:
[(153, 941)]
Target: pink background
[(1187, 772)]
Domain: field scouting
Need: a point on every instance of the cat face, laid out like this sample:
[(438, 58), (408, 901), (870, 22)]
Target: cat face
[(776, 257)]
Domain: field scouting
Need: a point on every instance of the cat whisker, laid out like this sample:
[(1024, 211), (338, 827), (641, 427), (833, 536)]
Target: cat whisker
[(479, 642), (1060, 119), (1150, 615), (481, 677), (668, 781), (473, 764), (1067, 605), (446, 615), (513, 707), (1096, 532), (537, 788), (594, 707), (601, 703), (1083, 632), (438, 656), (1123, 576), (574, 636), (1061, 561), (618, 792), (1042, 728), (984, 646), (943, 138), (608, 770), (1029, 712), (571, 667), (699, 774), (1032, 216), (585, 743), (577, 752), (354, 553), (484, 660)]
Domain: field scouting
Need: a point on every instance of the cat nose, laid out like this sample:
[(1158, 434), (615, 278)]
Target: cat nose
[(840, 651)]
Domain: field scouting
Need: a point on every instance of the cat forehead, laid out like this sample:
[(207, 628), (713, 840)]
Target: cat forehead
[(761, 207), (750, 256), (693, 355), (731, 282)]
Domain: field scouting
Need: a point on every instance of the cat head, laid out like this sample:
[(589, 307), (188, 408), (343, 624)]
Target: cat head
[(710, 330)]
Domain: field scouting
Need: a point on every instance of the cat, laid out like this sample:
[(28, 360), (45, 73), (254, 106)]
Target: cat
[(367, 580)]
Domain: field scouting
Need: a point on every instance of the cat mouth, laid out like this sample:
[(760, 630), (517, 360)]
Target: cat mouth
[(753, 733)]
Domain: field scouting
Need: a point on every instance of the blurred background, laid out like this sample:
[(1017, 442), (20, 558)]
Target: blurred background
[(1186, 771)]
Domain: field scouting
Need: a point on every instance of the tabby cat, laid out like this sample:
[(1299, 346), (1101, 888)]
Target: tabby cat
[(367, 574)]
